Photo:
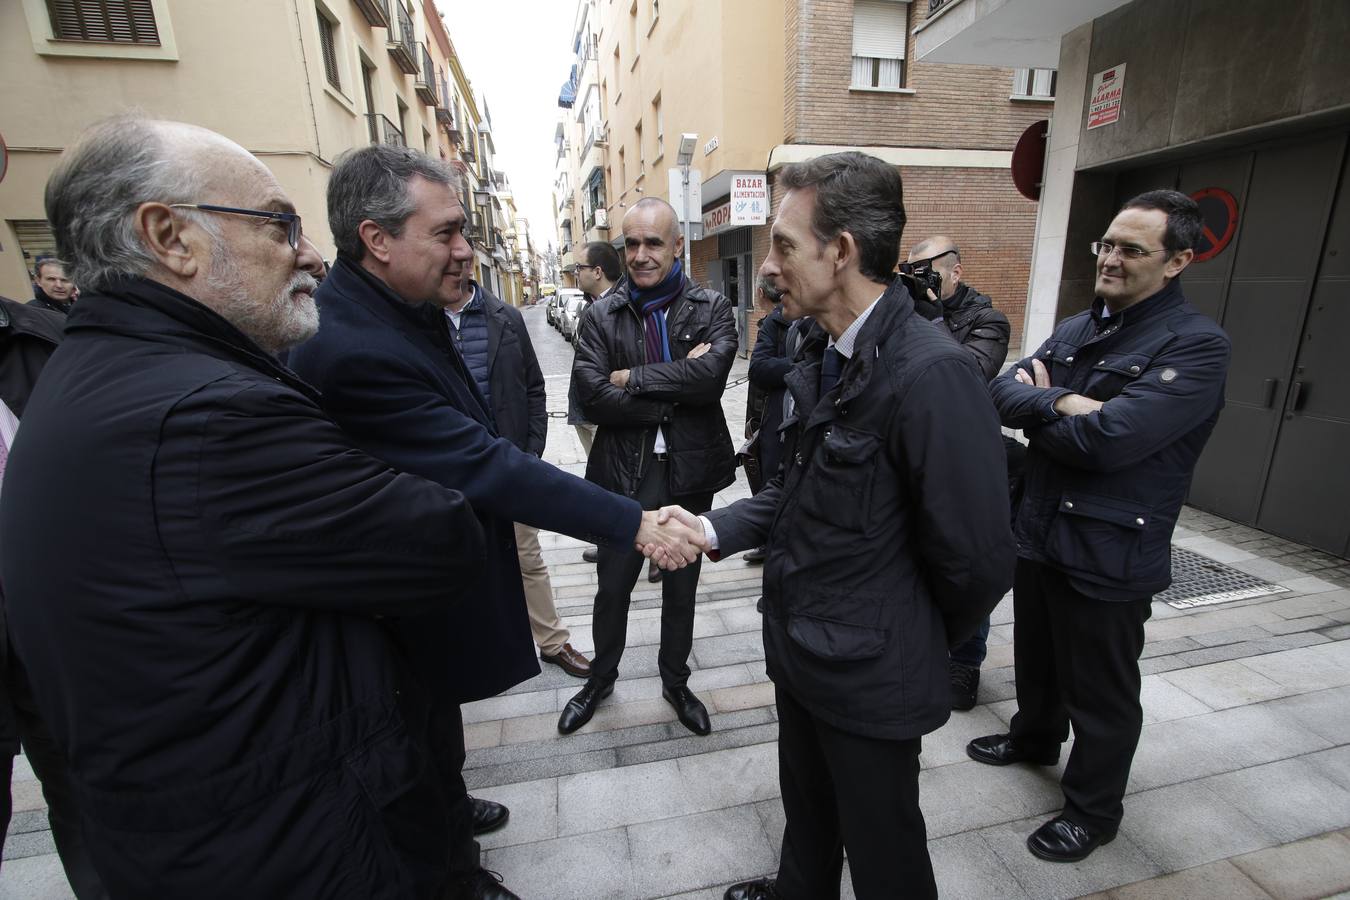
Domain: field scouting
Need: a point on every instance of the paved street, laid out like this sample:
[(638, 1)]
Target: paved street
[(1240, 788)]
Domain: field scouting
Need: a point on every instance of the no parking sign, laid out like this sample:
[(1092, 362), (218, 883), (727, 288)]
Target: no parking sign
[(1219, 213)]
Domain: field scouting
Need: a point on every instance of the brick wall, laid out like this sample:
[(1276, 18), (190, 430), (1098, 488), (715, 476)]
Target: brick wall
[(978, 208), (952, 106)]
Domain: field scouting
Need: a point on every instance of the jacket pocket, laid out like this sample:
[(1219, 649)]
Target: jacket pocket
[(1102, 535), (1114, 372), (838, 487), (834, 640)]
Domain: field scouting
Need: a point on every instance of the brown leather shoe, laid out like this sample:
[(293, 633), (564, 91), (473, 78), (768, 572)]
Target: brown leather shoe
[(570, 660)]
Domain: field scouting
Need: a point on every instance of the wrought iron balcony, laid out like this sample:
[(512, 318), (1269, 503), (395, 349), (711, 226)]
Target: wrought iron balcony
[(403, 48), (375, 11), (425, 82), (383, 131)]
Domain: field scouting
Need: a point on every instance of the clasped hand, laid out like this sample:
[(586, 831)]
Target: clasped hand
[(672, 537)]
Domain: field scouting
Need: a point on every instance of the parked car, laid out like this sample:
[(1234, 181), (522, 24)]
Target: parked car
[(573, 302), (551, 311)]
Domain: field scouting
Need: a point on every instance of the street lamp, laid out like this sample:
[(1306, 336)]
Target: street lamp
[(688, 141)]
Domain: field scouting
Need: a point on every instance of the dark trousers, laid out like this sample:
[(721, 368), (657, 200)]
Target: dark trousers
[(844, 791), (972, 651), (448, 753), (50, 767), (1076, 660), (617, 571)]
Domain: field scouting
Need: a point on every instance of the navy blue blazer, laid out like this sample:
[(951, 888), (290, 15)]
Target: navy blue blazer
[(391, 377)]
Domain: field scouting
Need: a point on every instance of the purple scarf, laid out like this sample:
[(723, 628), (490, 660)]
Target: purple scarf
[(652, 303)]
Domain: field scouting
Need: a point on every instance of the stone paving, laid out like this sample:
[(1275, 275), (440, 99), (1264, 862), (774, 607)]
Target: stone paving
[(1240, 788)]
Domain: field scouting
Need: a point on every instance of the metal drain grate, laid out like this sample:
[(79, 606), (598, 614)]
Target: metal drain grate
[(1200, 581)]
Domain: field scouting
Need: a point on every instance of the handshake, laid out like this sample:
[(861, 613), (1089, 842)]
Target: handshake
[(672, 537)]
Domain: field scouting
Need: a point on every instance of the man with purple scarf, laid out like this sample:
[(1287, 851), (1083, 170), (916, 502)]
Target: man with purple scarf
[(650, 368)]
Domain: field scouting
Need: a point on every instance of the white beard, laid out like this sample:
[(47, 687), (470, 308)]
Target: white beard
[(275, 324)]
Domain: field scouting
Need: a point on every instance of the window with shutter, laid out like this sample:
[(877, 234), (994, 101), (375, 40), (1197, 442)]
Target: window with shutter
[(109, 21), (879, 36), (328, 41), (1038, 83)]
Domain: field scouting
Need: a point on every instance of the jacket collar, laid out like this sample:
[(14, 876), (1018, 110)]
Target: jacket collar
[(424, 325), (147, 310), (1164, 300), (892, 310)]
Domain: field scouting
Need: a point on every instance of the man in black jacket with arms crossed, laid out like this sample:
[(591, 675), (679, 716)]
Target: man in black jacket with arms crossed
[(1117, 405)]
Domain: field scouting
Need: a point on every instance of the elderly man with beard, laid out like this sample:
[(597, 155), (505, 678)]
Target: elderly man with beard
[(199, 567)]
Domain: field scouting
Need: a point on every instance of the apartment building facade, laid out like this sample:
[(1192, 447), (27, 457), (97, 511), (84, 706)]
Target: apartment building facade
[(296, 82), (764, 83)]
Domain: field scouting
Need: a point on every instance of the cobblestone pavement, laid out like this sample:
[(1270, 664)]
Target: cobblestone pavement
[(1240, 788)]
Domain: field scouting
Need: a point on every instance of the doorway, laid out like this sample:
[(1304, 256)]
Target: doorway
[(1281, 289)]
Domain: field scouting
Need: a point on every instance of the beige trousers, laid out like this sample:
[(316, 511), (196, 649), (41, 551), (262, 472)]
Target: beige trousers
[(547, 628), (587, 434)]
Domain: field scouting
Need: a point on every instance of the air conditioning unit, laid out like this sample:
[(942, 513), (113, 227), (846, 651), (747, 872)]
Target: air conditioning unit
[(602, 218)]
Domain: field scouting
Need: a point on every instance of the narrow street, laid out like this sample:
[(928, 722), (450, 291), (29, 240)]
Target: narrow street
[(1241, 784)]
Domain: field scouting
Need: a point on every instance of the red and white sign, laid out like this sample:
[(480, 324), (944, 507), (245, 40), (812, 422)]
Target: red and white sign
[(1107, 89), (750, 198)]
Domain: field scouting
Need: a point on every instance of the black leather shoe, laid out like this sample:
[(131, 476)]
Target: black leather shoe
[(688, 709), (482, 885), (590, 555), (759, 889), (580, 708), (999, 750), (756, 556), (965, 684), (488, 816), (1061, 840)]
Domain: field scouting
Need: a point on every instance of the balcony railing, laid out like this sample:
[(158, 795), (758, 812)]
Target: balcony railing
[(402, 48), (375, 11), (383, 131), (425, 82)]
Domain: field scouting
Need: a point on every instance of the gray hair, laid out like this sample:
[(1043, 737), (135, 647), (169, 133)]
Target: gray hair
[(93, 194), (859, 194), (372, 183), (51, 261)]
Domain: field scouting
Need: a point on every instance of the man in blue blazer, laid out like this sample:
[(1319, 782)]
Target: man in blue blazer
[(392, 377)]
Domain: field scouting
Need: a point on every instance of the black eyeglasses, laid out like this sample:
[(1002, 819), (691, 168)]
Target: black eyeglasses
[(1102, 248), (291, 220)]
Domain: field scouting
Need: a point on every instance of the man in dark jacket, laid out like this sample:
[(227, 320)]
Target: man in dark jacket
[(394, 379), (53, 290), (597, 275), (495, 344), (28, 335), (973, 322), (649, 371), (888, 537), (769, 365), (198, 566), (1117, 404)]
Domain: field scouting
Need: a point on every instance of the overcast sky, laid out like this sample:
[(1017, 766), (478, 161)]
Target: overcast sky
[(518, 53)]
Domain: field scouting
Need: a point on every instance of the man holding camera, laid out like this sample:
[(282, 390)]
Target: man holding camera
[(933, 273)]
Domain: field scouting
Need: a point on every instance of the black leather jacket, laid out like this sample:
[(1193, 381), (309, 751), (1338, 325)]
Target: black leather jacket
[(974, 324), (682, 397)]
